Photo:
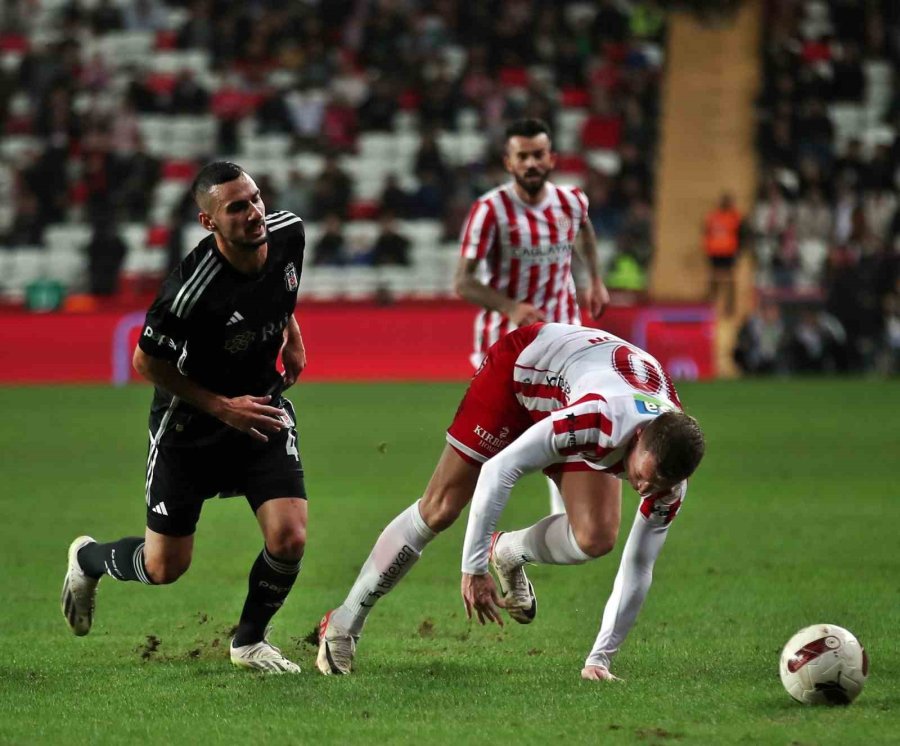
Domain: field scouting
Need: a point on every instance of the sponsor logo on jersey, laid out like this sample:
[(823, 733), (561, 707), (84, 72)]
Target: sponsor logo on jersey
[(240, 342), (161, 339), (542, 254), (290, 277), (651, 406), (490, 442), (571, 439)]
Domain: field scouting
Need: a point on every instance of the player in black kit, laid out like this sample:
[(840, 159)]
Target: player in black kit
[(218, 424)]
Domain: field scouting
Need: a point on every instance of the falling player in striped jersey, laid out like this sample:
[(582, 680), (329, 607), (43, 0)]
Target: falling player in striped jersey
[(218, 422), (591, 410), (517, 248)]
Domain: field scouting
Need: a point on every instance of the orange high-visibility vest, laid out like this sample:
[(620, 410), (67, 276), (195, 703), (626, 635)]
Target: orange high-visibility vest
[(722, 228)]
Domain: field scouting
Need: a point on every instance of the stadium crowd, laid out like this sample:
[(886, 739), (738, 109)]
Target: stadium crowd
[(825, 228), (324, 75)]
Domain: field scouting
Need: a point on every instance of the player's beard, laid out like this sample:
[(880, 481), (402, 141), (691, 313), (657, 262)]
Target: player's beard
[(531, 185), (253, 244)]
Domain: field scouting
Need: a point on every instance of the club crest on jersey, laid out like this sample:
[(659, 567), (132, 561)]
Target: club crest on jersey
[(563, 224), (290, 277)]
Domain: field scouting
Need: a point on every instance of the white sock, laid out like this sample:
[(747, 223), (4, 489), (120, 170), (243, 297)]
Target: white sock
[(395, 552), (556, 499), (550, 541)]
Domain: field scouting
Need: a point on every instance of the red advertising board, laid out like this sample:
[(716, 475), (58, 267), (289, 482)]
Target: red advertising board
[(416, 340)]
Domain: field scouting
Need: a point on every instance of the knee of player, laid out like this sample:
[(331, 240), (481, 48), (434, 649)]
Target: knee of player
[(287, 543), (165, 572), (596, 542)]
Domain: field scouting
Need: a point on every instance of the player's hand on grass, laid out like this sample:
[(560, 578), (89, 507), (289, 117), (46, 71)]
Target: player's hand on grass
[(253, 416), (597, 673), (294, 358), (525, 313), (480, 594)]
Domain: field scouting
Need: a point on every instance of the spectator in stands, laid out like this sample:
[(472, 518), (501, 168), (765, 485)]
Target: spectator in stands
[(141, 94), (106, 252), (721, 241), (332, 190), (297, 195), (143, 15), (339, 125), (603, 127), (306, 109), (786, 259), (330, 249), (762, 340), (439, 105), (851, 166), (605, 214), (188, 96), (814, 218), (377, 112), (393, 198), (429, 157), (848, 83), (816, 343), (391, 247), (198, 31), (106, 16), (135, 175), (429, 199), (880, 206), (27, 228), (636, 233)]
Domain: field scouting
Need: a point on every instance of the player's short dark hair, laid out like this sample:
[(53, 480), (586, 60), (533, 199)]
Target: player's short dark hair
[(527, 128), (677, 442), (217, 172)]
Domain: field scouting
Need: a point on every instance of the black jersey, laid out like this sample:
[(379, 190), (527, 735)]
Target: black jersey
[(222, 328)]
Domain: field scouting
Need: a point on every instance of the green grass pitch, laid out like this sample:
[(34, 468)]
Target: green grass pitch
[(792, 519)]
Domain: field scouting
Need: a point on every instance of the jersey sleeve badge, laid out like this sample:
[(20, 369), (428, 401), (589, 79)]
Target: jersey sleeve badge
[(291, 282)]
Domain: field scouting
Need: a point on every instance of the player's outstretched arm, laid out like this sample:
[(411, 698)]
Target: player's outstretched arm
[(630, 588), (249, 414), (532, 450)]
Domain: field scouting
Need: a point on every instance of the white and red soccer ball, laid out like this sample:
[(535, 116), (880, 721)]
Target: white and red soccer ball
[(824, 664)]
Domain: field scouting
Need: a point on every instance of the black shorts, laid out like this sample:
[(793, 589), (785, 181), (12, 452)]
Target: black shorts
[(181, 477)]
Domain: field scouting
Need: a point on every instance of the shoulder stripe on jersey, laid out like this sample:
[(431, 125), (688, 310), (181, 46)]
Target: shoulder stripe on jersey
[(277, 213), (281, 225), (192, 282), (209, 277), (280, 217)]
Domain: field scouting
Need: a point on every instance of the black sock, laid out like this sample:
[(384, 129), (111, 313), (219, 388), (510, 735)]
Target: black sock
[(270, 582), (122, 559)]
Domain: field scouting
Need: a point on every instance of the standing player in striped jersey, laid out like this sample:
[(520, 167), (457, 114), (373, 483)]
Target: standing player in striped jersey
[(218, 423), (518, 244), (591, 410)]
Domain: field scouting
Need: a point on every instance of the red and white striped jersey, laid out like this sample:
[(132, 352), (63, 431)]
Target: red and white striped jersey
[(588, 392), (597, 388), (527, 254)]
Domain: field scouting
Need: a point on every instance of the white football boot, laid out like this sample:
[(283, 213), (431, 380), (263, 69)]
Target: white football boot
[(79, 591), (262, 656), (336, 648), (516, 589)]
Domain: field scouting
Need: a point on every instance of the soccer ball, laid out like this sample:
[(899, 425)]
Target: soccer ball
[(824, 664)]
